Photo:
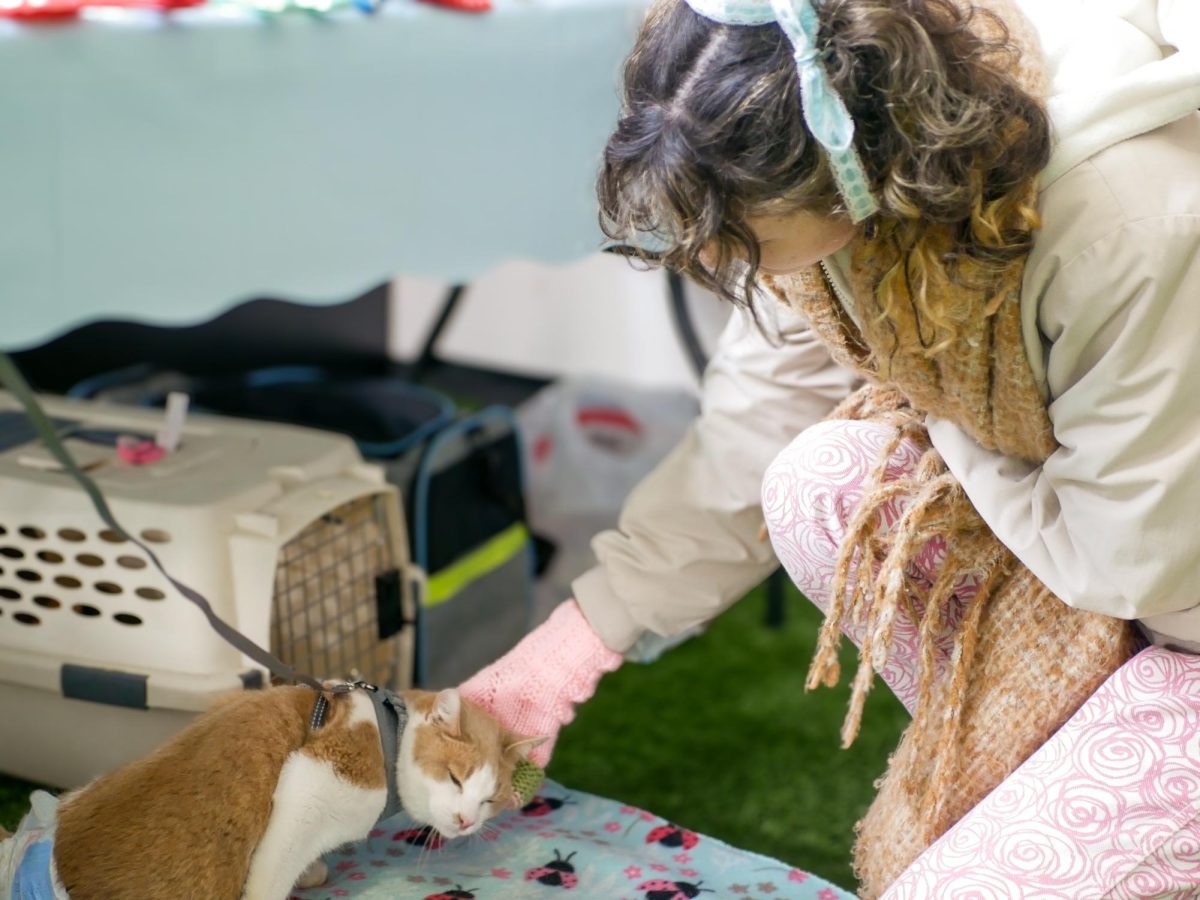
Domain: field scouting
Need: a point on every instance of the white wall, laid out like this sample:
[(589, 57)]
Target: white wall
[(597, 317)]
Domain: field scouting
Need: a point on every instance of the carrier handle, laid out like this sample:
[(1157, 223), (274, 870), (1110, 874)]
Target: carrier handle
[(12, 379)]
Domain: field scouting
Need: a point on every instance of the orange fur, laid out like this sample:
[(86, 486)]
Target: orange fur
[(353, 751), (184, 821)]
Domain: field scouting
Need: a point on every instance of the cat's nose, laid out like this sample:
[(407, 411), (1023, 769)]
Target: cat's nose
[(463, 822)]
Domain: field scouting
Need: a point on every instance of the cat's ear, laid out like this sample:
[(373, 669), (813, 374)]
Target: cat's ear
[(523, 746), (447, 711)]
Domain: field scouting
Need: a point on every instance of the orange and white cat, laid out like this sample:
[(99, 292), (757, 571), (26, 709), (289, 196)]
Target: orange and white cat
[(242, 803)]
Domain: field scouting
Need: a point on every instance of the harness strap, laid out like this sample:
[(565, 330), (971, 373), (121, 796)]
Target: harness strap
[(391, 715)]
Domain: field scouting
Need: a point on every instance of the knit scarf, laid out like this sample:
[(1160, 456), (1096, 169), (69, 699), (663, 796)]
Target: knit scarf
[(1022, 661), (982, 381)]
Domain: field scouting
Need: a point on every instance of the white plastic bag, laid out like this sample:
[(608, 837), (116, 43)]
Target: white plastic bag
[(588, 443)]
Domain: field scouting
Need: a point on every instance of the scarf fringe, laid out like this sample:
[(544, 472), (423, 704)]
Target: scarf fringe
[(937, 508)]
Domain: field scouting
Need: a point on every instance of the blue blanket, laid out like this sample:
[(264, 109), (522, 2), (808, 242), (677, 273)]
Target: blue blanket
[(563, 840)]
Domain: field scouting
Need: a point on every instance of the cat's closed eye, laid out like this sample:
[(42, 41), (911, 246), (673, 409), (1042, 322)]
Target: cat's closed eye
[(453, 780)]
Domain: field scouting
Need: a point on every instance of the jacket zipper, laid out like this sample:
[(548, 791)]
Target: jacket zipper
[(833, 286)]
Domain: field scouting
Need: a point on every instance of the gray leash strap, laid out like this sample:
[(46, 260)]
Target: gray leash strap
[(391, 714), (16, 384)]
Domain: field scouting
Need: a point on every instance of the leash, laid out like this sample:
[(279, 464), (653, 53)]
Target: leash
[(16, 384)]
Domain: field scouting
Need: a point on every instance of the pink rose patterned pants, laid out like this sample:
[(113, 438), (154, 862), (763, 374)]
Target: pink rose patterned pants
[(1107, 809)]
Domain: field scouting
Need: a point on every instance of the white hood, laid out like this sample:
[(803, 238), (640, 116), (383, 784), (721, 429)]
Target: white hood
[(1118, 68)]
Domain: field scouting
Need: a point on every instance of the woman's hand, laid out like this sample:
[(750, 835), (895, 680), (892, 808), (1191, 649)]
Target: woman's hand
[(533, 689)]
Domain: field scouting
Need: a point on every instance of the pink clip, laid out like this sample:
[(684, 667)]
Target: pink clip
[(138, 452)]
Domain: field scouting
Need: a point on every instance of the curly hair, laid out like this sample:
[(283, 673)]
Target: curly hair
[(949, 131)]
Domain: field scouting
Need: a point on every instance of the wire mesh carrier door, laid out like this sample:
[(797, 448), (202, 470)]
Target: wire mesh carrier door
[(338, 603)]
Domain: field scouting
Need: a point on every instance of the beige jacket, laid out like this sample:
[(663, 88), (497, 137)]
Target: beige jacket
[(1111, 308)]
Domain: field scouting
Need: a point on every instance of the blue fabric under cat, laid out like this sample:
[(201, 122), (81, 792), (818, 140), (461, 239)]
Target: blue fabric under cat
[(596, 848), (33, 880), (27, 857)]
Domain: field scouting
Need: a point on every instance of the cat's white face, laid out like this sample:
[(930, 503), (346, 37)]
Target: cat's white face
[(454, 811), (456, 763)]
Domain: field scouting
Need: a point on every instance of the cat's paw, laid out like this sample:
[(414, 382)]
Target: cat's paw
[(314, 875)]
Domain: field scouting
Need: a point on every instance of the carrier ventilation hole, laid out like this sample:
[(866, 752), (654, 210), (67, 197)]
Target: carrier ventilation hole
[(91, 560), (111, 537), (150, 593), (72, 535), (47, 602), (156, 536), (27, 618), (128, 619), (49, 556), (3, 531), (131, 562), (68, 581), (12, 552), (32, 532), (28, 575), (108, 587), (9, 594), (85, 609)]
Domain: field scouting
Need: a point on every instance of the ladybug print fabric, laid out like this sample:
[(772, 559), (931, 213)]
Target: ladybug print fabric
[(562, 844)]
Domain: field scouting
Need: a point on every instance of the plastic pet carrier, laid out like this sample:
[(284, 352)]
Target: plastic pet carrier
[(296, 541), (460, 476)]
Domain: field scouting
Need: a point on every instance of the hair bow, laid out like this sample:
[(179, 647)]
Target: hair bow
[(825, 112)]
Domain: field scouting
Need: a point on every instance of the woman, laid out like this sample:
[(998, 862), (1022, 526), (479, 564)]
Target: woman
[(995, 220)]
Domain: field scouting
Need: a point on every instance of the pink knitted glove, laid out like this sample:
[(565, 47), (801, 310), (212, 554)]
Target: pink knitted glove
[(534, 687)]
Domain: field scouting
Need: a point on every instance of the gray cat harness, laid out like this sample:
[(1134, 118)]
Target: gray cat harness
[(391, 715)]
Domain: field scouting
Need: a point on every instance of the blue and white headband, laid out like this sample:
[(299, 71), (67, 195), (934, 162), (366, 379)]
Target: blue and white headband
[(825, 113)]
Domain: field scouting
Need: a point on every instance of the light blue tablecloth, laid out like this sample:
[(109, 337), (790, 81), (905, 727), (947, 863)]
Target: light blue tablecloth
[(163, 169)]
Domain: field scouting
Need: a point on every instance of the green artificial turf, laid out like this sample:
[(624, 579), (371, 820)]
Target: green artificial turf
[(719, 737)]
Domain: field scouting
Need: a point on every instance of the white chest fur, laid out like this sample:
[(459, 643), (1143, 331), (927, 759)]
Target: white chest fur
[(314, 811)]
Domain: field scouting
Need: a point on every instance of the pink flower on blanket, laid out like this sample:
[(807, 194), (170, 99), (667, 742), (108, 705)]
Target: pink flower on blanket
[(632, 872), (502, 874), (797, 876)]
